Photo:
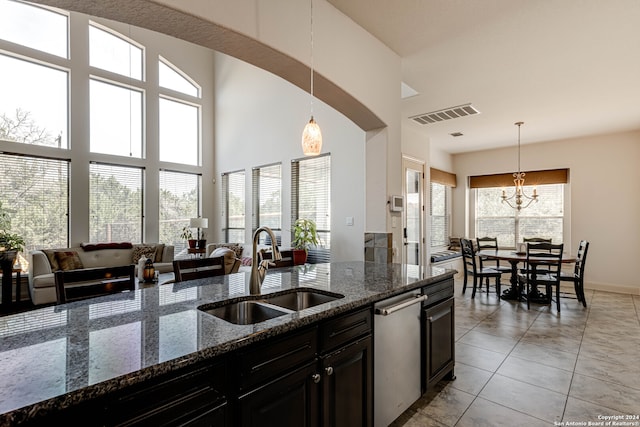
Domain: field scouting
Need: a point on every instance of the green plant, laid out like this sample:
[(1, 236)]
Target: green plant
[(9, 241), (186, 234), (305, 234)]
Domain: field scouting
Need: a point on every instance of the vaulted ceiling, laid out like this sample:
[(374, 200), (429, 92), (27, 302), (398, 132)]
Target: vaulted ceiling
[(566, 68)]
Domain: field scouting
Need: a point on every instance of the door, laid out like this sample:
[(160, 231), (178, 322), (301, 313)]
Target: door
[(413, 213)]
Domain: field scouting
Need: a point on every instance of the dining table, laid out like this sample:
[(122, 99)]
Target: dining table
[(514, 257)]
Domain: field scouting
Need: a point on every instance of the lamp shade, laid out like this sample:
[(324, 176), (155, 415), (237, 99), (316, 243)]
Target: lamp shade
[(311, 139), (199, 222)]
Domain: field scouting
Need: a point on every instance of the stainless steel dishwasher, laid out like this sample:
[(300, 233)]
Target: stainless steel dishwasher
[(397, 361)]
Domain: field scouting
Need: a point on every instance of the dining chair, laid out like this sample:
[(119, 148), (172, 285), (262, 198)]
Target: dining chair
[(534, 240), (73, 285), (544, 265), (577, 276), (473, 267), (198, 268), (491, 243)]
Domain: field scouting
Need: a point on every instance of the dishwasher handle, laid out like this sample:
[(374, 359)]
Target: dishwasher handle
[(385, 311)]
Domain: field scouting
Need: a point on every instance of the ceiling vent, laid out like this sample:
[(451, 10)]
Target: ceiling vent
[(446, 114)]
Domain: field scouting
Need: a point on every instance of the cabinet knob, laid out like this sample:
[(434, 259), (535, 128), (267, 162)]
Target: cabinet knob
[(329, 370), (315, 378)]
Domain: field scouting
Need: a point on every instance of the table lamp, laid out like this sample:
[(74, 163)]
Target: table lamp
[(199, 223)]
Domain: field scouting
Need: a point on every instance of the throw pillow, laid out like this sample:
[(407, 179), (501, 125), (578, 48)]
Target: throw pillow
[(236, 247), (229, 258), (159, 251), (246, 260), (140, 250), (51, 256), (68, 260)]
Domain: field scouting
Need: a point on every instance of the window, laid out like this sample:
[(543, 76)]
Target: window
[(172, 78), (112, 52), (179, 201), (115, 203), (440, 216), (116, 119), (311, 199), (34, 27), (267, 201), (34, 103), (179, 125), (36, 193), (233, 206), (541, 219)]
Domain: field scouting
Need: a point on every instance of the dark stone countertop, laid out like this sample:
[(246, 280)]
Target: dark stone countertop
[(53, 357)]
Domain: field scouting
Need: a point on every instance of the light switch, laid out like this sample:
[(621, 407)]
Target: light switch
[(349, 220)]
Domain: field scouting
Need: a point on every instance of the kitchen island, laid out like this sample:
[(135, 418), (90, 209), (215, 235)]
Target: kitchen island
[(107, 355)]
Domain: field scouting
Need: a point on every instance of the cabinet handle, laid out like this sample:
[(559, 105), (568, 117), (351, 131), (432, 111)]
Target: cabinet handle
[(329, 370), (315, 378)]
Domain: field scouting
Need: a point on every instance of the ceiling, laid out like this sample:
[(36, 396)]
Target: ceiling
[(565, 68)]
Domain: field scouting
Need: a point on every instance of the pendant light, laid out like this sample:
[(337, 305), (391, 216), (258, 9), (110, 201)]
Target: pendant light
[(519, 199), (311, 135)]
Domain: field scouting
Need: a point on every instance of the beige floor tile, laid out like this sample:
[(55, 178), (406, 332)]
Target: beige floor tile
[(532, 400), (448, 406), (495, 327), (580, 411), (478, 357), (489, 342), (536, 374), (547, 356), (627, 374), (486, 413), (604, 393), (470, 379)]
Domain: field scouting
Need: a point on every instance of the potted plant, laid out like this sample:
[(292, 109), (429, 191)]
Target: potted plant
[(10, 243), (304, 236), (187, 235)]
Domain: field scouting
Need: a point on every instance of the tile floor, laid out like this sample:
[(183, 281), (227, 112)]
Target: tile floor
[(519, 367)]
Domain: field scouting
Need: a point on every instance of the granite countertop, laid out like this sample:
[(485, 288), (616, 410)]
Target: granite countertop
[(56, 356)]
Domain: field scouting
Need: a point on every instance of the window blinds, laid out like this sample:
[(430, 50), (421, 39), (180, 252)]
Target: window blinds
[(233, 203)]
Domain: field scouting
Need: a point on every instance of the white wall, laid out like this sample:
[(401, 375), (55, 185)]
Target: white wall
[(259, 120), (605, 198)]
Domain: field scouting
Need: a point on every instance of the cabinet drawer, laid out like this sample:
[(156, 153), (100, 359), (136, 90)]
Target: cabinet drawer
[(264, 361), (438, 291), (193, 395), (345, 328)]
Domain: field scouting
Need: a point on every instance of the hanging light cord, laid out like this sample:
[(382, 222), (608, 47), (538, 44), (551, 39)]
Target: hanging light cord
[(311, 58), (519, 124)]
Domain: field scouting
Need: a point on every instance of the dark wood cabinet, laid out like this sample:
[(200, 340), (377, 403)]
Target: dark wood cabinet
[(290, 400), (347, 385), (319, 376), (439, 342)]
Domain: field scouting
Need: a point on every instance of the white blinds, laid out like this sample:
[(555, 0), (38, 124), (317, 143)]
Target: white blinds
[(115, 203), (35, 192), (266, 196), (233, 203), (311, 199), (179, 200), (440, 216)]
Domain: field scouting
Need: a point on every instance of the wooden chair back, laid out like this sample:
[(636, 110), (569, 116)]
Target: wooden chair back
[(73, 285), (548, 256), (198, 268)]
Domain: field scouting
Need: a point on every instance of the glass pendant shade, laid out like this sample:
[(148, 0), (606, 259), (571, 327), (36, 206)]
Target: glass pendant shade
[(311, 139)]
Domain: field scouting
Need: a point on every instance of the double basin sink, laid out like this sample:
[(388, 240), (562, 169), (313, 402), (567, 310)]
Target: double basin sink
[(258, 308)]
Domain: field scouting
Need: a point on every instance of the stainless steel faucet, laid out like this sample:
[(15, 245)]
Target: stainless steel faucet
[(259, 269)]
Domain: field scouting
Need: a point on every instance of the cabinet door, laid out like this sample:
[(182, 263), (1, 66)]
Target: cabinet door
[(291, 400), (439, 342), (347, 378)]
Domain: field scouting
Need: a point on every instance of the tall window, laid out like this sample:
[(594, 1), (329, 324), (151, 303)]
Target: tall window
[(510, 226), (233, 203), (311, 199), (179, 201), (267, 200), (36, 194), (440, 216), (113, 52), (115, 203)]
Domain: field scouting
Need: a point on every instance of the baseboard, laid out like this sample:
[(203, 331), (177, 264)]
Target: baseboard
[(609, 287)]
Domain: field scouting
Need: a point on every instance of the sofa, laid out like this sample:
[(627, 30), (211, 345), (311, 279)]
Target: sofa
[(43, 263)]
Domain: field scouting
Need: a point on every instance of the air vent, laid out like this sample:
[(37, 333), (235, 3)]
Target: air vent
[(446, 114)]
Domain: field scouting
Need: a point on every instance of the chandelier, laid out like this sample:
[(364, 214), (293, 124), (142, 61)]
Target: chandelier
[(519, 200), (311, 135)]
